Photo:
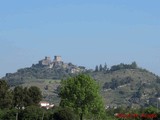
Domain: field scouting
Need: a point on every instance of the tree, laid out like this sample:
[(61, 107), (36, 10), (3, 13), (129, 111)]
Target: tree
[(96, 69), (26, 96), (82, 94), (9, 114), (100, 68), (33, 113), (18, 97), (5, 95), (2, 112), (63, 114), (35, 95), (105, 67), (134, 65)]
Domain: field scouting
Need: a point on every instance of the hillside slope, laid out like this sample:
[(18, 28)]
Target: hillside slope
[(121, 85), (129, 87), (44, 69)]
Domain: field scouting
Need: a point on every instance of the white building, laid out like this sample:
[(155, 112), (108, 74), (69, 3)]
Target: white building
[(46, 105)]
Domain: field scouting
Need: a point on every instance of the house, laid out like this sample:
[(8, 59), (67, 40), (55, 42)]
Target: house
[(46, 105)]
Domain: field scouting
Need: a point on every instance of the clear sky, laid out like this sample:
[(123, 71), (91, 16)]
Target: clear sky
[(84, 32)]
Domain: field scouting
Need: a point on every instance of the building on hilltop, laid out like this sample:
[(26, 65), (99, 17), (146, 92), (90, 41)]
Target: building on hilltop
[(57, 59), (47, 61), (58, 64), (47, 58)]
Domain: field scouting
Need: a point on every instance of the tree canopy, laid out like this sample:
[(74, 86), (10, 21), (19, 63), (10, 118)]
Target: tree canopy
[(26, 96), (5, 95), (82, 94), (63, 114), (19, 97)]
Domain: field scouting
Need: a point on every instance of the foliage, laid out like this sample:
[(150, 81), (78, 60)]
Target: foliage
[(26, 96), (115, 82), (29, 113), (106, 79), (9, 114), (150, 110), (124, 66), (104, 68), (82, 94), (63, 114), (35, 95), (100, 68), (96, 69), (33, 113), (5, 95), (58, 71), (1, 113), (19, 96)]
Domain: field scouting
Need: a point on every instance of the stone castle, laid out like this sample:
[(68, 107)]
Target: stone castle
[(48, 62), (58, 63), (57, 58)]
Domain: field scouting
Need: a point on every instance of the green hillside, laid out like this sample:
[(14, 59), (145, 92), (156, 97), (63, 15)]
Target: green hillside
[(121, 85), (129, 87), (45, 69)]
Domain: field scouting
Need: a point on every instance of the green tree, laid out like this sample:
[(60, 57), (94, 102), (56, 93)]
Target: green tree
[(96, 69), (26, 96), (63, 114), (100, 68), (18, 97), (5, 95), (34, 94), (134, 65), (9, 114), (82, 94), (2, 112), (33, 113), (105, 67)]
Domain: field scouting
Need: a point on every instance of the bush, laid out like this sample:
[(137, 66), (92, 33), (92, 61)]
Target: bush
[(9, 114), (63, 114), (33, 113)]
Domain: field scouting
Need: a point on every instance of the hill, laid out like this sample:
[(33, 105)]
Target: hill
[(121, 85), (44, 69), (128, 87)]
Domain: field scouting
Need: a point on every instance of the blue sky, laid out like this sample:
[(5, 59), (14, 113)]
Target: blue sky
[(84, 32)]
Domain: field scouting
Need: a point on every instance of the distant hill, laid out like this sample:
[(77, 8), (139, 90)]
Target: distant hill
[(121, 85), (44, 69), (129, 87)]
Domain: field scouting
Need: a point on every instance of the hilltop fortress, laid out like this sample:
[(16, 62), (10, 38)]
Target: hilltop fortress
[(58, 63), (46, 68), (48, 62)]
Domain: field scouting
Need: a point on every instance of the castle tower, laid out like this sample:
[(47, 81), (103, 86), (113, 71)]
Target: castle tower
[(46, 61), (47, 58), (57, 58)]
